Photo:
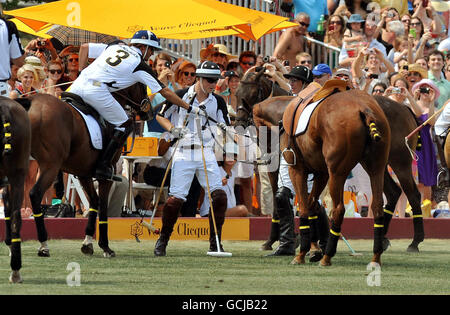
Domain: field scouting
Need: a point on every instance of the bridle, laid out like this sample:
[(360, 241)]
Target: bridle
[(263, 89)]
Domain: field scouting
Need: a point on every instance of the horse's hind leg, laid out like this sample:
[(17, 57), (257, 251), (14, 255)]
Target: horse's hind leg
[(392, 193), (15, 199), (104, 188), (87, 247), (336, 186), (320, 181), (45, 180), (412, 193)]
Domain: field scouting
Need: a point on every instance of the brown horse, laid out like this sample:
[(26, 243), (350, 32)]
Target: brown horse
[(15, 137), (341, 133), (60, 141), (402, 121)]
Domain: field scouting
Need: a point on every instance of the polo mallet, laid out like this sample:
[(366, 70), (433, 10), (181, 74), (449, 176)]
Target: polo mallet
[(420, 127), (353, 253), (149, 225), (219, 253)]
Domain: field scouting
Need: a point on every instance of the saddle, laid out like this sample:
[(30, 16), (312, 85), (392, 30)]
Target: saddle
[(312, 93), (77, 102)]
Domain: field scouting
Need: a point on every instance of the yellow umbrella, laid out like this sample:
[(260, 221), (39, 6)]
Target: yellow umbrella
[(178, 19)]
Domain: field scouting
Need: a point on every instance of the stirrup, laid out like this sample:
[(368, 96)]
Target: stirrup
[(293, 153)]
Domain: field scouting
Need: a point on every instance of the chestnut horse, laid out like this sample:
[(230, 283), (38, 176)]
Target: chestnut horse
[(61, 141), (15, 138), (402, 122)]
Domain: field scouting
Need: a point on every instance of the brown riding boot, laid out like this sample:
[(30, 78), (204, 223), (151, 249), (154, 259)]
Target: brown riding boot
[(169, 218), (219, 201)]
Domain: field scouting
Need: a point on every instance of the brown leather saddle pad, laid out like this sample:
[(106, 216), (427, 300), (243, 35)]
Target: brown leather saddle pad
[(312, 93)]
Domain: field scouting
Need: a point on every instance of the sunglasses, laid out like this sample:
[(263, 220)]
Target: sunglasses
[(415, 24), (248, 63), (378, 91), (73, 59), (189, 73), (305, 61), (336, 22), (211, 80), (318, 76), (406, 21), (417, 74), (303, 24), (217, 54), (53, 71)]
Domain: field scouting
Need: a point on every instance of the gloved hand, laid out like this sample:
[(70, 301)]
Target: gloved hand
[(197, 110), (222, 126), (179, 132)]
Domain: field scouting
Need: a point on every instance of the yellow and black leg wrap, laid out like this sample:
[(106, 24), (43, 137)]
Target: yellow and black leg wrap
[(335, 235), (103, 233), (314, 224), (92, 219), (419, 233), (378, 235), (305, 235)]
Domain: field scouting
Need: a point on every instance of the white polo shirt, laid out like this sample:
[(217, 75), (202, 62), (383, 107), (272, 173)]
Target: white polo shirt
[(10, 47)]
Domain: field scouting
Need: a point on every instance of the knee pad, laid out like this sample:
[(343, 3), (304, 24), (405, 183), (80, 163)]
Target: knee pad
[(219, 200)]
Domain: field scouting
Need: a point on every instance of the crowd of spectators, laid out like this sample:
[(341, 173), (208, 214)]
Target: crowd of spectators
[(400, 51)]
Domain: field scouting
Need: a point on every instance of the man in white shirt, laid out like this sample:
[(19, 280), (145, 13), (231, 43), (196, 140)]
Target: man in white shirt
[(10, 51), (188, 158)]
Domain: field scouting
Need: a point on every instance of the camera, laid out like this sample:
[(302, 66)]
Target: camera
[(396, 90), (41, 43), (286, 63), (167, 64), (373, 76), (424, 90), (371, 51), (266, 59), (405, 67), (390, 15)]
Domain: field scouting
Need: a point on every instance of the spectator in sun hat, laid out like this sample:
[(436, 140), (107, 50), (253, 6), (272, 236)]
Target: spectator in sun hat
[(321, 73), (38, 67), (354, 35), (217, 53), (415, 74), (299, 77)]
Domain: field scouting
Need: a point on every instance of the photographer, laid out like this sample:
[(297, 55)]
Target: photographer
[(43, 49), (370, 73)]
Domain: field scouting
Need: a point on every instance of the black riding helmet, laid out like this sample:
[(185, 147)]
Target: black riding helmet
[(300, 72), (208, 69)]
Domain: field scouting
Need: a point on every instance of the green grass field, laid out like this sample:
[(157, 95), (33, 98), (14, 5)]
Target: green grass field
[(188, 270)]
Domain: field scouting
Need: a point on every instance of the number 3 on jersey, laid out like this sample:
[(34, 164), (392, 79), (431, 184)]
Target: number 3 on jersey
[(121, 54)]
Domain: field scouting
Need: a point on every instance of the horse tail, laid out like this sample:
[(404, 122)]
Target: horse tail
[(369, 120), (25, 102), (5, 131)]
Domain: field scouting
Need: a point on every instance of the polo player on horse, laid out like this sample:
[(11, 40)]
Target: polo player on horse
[(117, 67)]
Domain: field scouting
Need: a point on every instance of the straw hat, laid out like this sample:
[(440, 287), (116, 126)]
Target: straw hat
[(37, 65), (418, 68), (440, 6), (205, 53)]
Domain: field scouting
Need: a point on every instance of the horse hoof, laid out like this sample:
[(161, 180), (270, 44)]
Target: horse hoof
[(298, 261), (87, 249), (386, 244), (44, 252), (325, 262), (108, 253), (412, 248), (315, 256), (265, 247), (15, 277)]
